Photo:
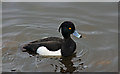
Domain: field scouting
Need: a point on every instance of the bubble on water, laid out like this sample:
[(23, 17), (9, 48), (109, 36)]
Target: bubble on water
[(85, 66)]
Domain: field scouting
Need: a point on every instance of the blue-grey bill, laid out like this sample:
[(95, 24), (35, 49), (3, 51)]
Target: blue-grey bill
[(77, 34)]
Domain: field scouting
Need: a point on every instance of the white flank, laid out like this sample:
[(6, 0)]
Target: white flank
[(43, 51)]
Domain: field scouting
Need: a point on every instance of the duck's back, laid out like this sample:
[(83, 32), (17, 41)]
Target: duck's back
[(51, 43)]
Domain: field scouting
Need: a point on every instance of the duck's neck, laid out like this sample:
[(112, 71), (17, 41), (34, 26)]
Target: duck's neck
[(68, 38), (68, 47)]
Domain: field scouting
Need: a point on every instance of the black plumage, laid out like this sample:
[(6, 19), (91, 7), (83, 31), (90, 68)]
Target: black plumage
[(67, 45)]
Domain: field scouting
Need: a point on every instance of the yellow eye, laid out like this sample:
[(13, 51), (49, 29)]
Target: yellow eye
[(69, 28)]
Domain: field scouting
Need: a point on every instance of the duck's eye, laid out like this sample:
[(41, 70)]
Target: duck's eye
[(69, 28)]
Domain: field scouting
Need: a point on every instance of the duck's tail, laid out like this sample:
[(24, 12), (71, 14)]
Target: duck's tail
[(29, 47)]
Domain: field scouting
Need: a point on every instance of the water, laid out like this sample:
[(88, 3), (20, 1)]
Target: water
[(97, 51)]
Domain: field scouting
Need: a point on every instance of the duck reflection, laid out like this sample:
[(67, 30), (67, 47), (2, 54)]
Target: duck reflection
[(67, 61)]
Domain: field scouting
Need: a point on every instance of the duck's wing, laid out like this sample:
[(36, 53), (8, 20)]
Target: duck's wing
[(51, 43)]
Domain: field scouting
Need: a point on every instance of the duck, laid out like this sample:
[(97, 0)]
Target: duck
[(55, 46)]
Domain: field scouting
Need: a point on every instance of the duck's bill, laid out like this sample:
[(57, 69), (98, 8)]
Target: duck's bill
[(77, 34)]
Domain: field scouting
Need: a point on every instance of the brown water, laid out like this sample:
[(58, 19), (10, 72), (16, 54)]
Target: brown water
[(97, 51)]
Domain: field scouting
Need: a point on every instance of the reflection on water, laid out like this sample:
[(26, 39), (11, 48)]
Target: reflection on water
[(26, 22), (68, 64)]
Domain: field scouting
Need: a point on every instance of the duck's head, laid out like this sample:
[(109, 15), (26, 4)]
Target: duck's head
[(68, 28)]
